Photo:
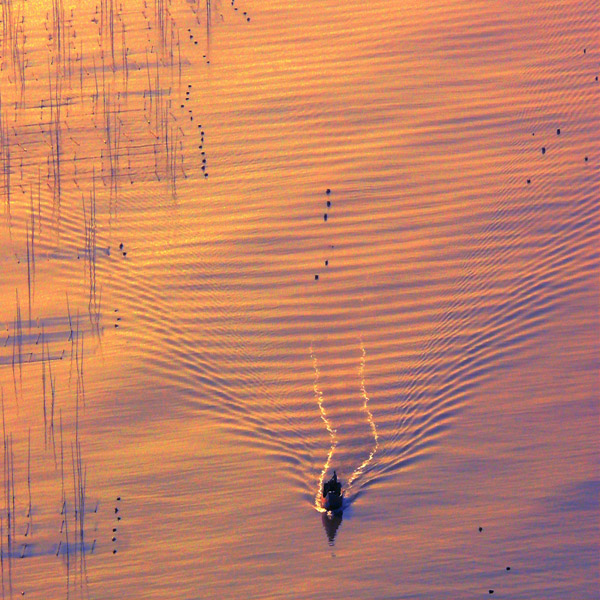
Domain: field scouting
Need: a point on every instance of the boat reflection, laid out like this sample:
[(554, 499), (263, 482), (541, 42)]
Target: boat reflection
[(331, 524)]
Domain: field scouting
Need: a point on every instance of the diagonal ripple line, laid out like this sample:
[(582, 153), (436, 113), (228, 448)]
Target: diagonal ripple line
[(332, 432), (361, 374)]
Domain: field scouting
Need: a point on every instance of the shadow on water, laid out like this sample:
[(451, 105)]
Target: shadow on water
[(331, 524)]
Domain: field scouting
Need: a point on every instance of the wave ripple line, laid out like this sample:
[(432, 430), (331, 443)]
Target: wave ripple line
[(361, 374)]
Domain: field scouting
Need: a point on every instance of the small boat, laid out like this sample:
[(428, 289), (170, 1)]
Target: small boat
[(332, 497)]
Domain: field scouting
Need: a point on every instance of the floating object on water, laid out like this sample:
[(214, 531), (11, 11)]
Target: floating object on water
[(332, 497)]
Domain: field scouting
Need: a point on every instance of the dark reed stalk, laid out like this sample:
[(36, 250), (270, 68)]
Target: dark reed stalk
[(29, 515), (64, 497), (13, 495), (2, 553), (32, 217), (53, 398), (28, 275), (44, 392)]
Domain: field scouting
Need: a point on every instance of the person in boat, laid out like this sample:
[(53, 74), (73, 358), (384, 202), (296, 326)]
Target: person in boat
[(336, 486), (333, 485)]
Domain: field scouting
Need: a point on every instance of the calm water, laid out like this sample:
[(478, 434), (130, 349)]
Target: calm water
[(177, 381)]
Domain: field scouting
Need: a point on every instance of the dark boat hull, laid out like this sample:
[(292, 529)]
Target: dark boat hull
[(333, 502)]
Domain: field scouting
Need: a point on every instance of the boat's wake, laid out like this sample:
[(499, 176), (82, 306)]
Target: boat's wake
[(332, 433), (358, 471)]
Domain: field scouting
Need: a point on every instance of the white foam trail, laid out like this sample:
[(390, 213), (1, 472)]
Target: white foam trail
[(361, 374), (332, 432)]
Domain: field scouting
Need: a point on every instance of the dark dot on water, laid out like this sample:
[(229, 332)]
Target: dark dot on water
[(328, 191), (543, 150), (182, 106), (328, 203), (116, 325), (205, 174), (490, 591), (114, 551), (196, 43), (529, 181), (586, 159), (116, 510), (121, 246), (584, 50), (118, 498), (326, 263), (481, 529), (189, 85), (508, 568), (118, 518), (325, 217), (115, 530), (124, 253), (316, 277), (248, 19), (558, 132), (596, 77), (114, 539)]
